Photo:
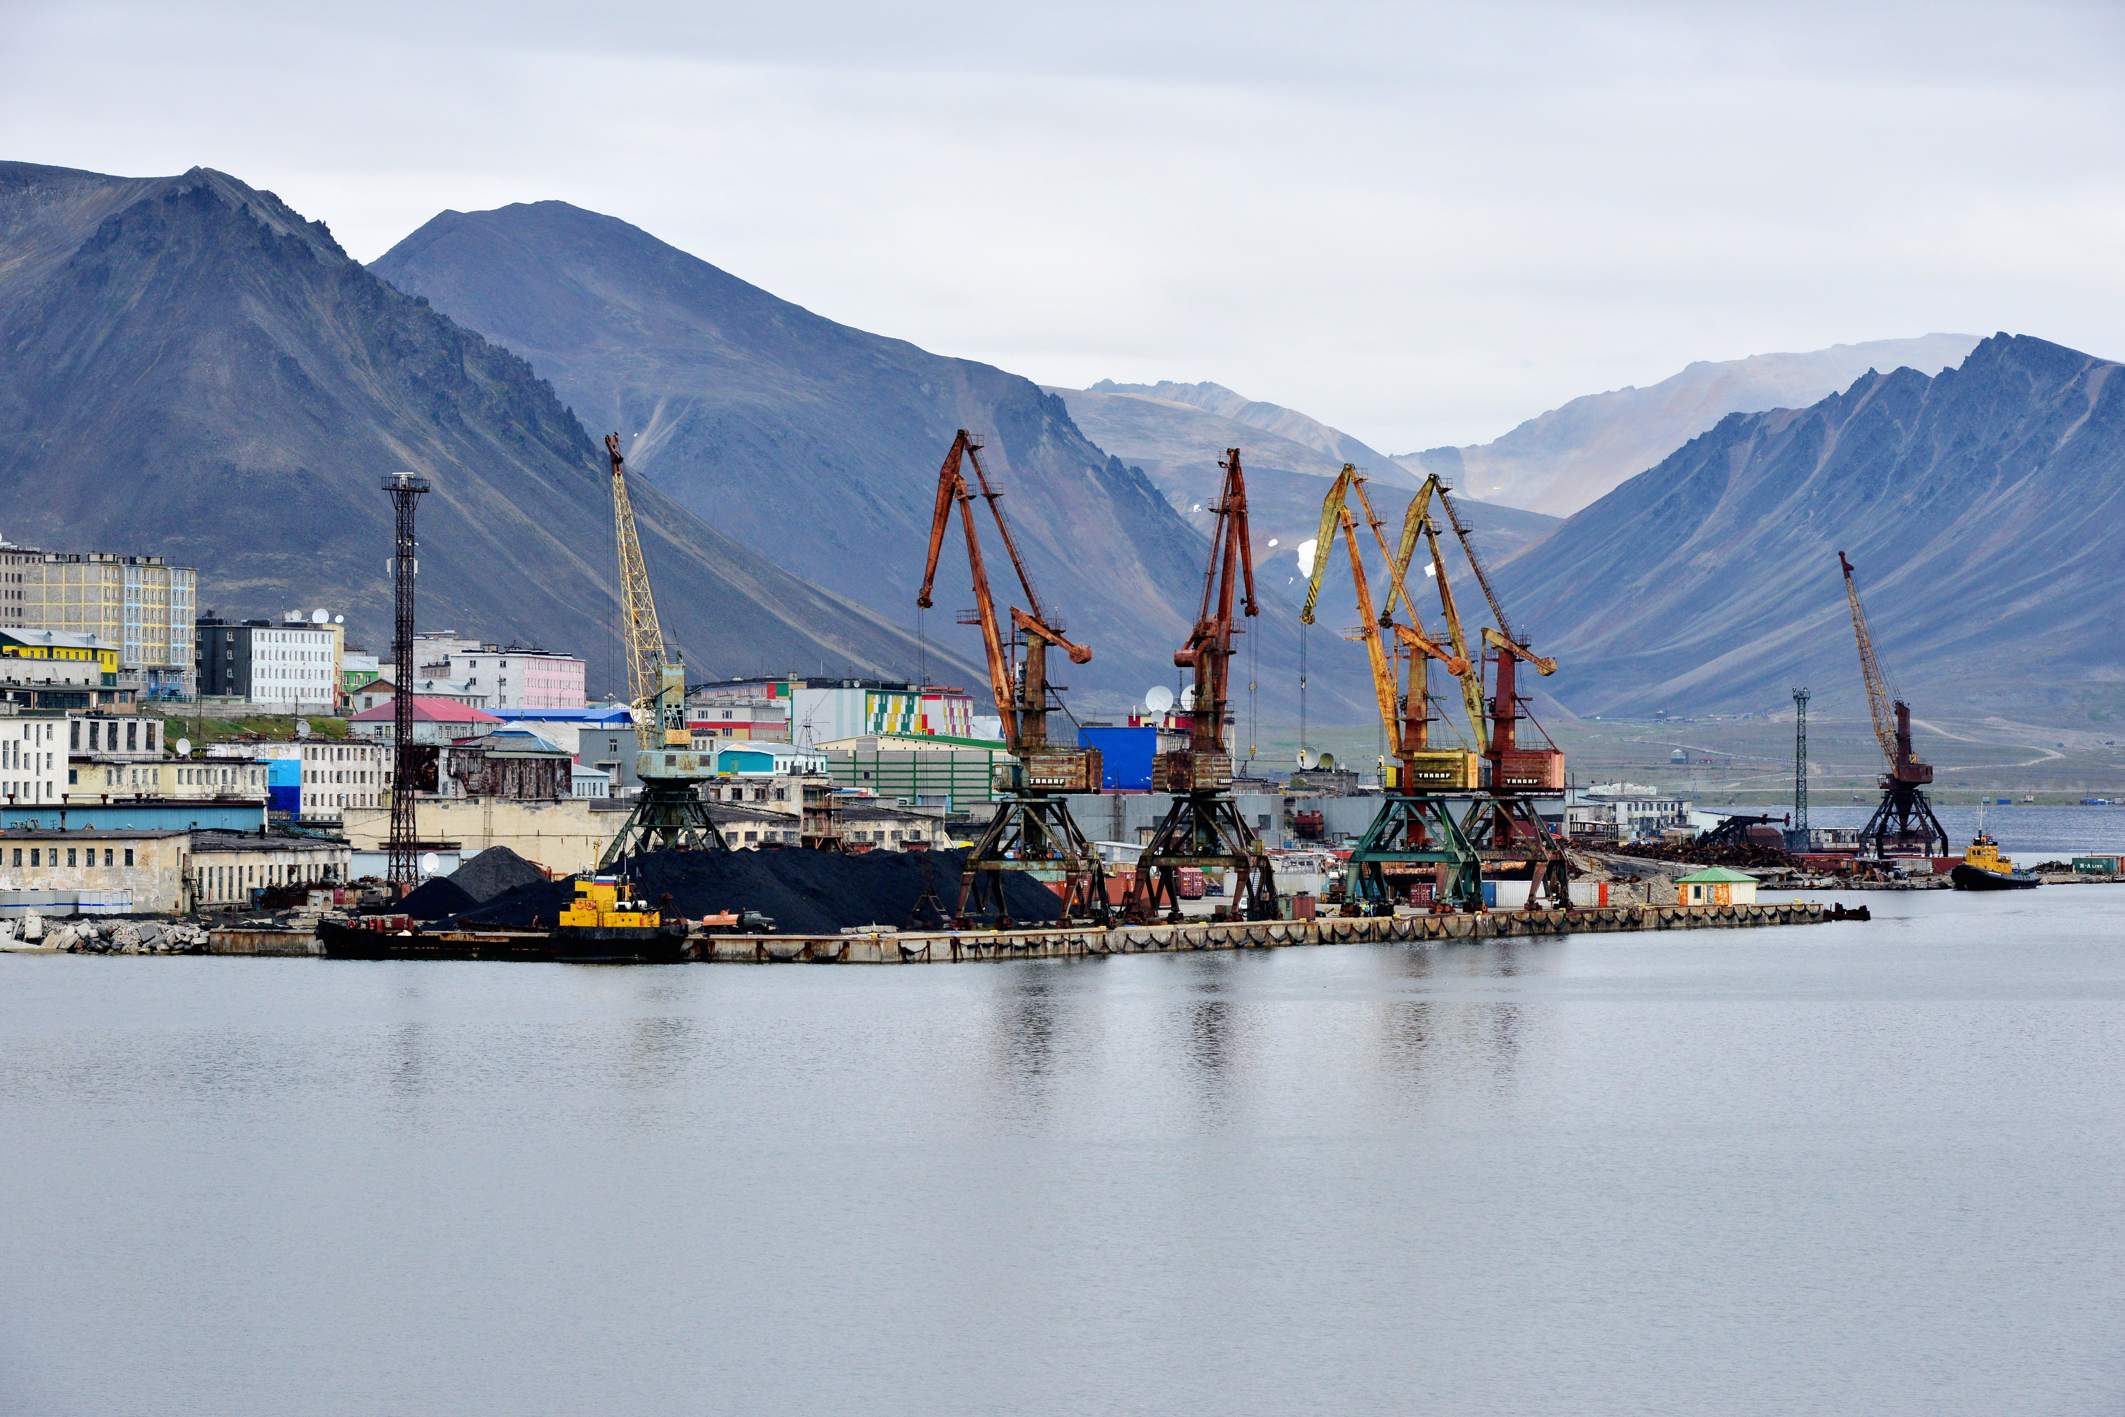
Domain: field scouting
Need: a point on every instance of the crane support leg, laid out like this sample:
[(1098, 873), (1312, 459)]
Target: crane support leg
[(668, 816), (1037, 834), (1410, 836), (1507, 827), (1904, 824), (1204, 830)]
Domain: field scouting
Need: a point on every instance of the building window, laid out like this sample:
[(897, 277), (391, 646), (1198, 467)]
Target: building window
[(35, 856), (128, 855), (70, 856)]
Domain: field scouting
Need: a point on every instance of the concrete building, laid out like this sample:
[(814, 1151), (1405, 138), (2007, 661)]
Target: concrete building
[(380, 690), (736, 718), (357, 669), (747, 825), (91, 778), (1622, 812), (566, 728), (140, 606), (509, 762), (130, 872), (54, 669), (887, 826), (33, 758), (513, 677), (291, 665), (749, 759), (318, 779), (565, 836), (115, 735), (593, 784), (231, 869)]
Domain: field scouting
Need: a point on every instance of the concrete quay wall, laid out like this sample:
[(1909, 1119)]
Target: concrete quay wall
[(1067, 943)]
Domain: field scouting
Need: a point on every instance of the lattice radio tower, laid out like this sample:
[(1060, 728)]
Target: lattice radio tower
[(1800, 763), (406, 491)]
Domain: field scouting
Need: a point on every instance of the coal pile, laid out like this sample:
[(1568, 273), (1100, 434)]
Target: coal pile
[(804, 892), (494, 872), (436, 898)]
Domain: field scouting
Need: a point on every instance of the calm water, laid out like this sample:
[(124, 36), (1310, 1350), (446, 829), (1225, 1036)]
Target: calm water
[(2031, 831), (1845, 1169)]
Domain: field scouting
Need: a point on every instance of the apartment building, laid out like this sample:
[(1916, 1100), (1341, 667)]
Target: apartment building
[(141, 606)]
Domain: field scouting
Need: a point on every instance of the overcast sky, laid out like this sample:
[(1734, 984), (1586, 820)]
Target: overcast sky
[(1421, 224)]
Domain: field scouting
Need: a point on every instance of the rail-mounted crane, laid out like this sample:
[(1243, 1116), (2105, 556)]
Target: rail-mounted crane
[(1203, 828), (1415, 830), (669, 813), (1505, 822), (1904, 822), (1032, 829)]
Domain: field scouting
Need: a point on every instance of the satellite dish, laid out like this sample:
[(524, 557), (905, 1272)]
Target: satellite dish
[(302, 728), (1272, 543), (1328, 762), (1308, 759), (320, 616), (339, 619), (1159, 699), (1188, 698), (430, 862), (184, 747)]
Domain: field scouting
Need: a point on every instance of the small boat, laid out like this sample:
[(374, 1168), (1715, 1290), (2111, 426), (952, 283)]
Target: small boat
[(1983, 868)]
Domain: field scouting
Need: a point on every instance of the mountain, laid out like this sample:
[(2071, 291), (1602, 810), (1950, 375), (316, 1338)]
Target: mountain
[(1177, 432), (1287, 426), (1566, 458), (1983, 507), (189, 367), (819, 443)]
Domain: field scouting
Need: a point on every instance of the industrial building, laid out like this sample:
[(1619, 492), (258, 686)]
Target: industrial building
[(813, 712), (958, 773)]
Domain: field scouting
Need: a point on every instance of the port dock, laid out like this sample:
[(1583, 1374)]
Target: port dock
[(944, 947)]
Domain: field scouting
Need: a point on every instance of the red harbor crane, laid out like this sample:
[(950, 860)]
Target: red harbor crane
[(1203, 827), (1904, 823), (1032, 829)]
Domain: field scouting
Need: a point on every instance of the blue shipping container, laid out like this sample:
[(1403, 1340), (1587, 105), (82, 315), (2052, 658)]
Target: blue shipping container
[(1125, 756)]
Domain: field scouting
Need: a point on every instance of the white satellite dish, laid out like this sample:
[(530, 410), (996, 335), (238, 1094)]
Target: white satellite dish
[(302, 728), (1272, 543), (1308, 759), (430, 863), (339, 619), (320, 616), (1159, 699), (1188, 698), (184, 747)]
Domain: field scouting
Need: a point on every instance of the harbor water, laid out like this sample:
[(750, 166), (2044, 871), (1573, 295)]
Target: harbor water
[(1828, 1169)]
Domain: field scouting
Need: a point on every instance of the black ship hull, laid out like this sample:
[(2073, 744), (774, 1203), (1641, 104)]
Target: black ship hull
[(1966, 877), (663, 945)]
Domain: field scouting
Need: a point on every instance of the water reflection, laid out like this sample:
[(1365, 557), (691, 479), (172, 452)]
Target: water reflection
[(1446, 1022), (1023, 1030)]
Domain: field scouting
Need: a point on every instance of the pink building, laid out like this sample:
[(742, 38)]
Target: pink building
[(513, 677)]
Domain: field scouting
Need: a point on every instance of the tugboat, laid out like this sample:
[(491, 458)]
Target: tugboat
[(1984, 869)]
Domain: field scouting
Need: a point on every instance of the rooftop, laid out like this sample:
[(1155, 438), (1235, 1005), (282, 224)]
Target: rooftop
[(427, 710), (1714, 876), (270, 841)]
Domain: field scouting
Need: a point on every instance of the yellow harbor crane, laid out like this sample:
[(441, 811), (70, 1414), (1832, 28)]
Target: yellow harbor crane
[(669, 813)]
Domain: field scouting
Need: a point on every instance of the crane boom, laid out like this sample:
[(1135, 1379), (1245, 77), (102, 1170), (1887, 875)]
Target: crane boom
[(1878, 697), (651, 663)]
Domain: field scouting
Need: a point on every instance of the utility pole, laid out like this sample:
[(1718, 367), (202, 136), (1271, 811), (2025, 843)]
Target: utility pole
[(404, 851), (1800, 764)]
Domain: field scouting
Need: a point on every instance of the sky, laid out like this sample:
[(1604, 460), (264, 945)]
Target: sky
[(1422, 224)]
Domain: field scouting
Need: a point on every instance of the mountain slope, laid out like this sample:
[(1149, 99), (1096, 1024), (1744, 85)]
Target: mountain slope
[(189, 367), (818, 442), (1984, 509), (1177, 432), (1563, 460)]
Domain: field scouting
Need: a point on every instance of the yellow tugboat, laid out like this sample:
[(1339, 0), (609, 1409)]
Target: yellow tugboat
[(600, 924), (1983, 868)]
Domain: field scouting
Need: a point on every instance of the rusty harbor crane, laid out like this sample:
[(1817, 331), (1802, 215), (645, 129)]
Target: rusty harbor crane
[(1032, 829), (1203, 828), (1415, 832), (669, 814), (1502, 822), (1904, 822)]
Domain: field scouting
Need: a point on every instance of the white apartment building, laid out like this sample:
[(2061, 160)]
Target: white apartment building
[(330, 774), (289, 665), (32, 759), (514, 678), (114, 735), (141, 606)]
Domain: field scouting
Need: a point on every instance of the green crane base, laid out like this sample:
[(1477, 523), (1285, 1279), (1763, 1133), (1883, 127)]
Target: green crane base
[(669, 815), (1415, 830)]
